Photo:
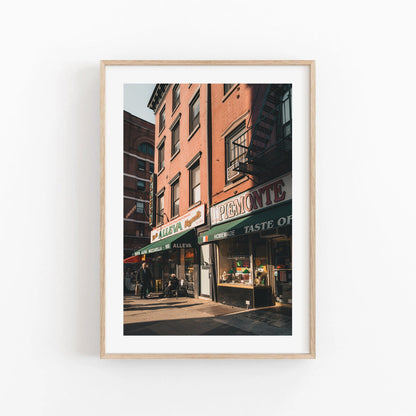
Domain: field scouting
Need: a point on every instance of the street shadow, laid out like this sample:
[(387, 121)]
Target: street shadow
[(183, 327), (158, 306), (228, 325)]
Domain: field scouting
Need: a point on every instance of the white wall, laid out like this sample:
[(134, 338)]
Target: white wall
[(49, 211)]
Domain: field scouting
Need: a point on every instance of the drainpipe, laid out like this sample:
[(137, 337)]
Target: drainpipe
[(211, 246)]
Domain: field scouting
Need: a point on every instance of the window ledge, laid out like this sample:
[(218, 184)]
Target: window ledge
[(231, 185), (175, 154), (161, 143), (161, 131), (176, 107), (236, 285), (230, 92), (176, 216), (161, 170), (194, 205), (194, 131)]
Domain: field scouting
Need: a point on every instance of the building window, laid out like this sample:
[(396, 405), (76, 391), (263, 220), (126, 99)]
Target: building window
[(234, 267), (175, 199), (189, 258), (235, 150), (140, 207), (141, 165), (141, 186), (161, 157), (194, 184), (151, 167), (175, 97), (162, 118), (140, 230), (194, 114), (160, 209), (175, 138), (286, 114), (147, 148), (227, 87)]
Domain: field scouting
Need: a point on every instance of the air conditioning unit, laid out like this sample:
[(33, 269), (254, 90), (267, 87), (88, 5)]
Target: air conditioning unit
[(233, 174)]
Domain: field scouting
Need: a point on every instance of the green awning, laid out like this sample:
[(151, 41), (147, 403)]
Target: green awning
[(186, 239), (279, 216)]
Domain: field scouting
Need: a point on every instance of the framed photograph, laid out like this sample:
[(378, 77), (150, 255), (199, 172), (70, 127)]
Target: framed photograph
[(207, 209)]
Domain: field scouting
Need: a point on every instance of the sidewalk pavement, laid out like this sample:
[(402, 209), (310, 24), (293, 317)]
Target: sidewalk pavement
[(190, 316)]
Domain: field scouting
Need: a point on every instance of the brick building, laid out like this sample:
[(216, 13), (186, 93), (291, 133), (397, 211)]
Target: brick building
[(180, 183), (251, 209), (222, 190), (139, 138)]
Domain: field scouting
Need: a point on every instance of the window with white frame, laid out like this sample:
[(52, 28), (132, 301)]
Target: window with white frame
[(175, 138), (194, 184), (176, 91), (175, 199), (160, 208), (161, 157), (236, 143), (140, 207), (162, 119), (194, 114)]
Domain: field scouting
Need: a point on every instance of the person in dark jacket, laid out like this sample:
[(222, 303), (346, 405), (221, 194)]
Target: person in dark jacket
[(172, 285), (145, 279)]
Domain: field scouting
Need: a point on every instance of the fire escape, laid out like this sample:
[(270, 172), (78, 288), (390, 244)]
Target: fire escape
[(271, 134)]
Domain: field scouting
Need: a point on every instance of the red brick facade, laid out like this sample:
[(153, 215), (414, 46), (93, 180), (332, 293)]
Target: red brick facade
[(241, 140), (139, 136), (192, 144)]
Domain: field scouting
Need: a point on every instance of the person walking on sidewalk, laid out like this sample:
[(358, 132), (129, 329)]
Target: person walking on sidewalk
[(145, 278)]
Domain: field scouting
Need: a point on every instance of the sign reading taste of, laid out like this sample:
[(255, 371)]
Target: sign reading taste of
[(190, 220), (266, 195)]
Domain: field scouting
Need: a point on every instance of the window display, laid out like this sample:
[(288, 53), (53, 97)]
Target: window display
[(234, 262), (260, 263), (189, 264)]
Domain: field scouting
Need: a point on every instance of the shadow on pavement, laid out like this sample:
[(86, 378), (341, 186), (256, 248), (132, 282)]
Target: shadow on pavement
[(193, 326), (237, 324), (158, 306)]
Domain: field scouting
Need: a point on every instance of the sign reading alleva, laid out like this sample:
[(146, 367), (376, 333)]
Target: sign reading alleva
[(192, 219), (266, 195)]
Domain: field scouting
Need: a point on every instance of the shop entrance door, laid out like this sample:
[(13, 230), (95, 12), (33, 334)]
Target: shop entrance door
[(282, 268), (205, 286)]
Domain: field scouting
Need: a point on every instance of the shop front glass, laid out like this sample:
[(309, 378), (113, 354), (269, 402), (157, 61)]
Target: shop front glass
[(180, 262), (189, 260), (234, 262), (164, 264), (282, 267), (261, 277)]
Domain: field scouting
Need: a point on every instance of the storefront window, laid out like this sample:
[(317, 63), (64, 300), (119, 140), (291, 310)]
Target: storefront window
[(189, 265), (282, 263), (234, 262), (260, 263)]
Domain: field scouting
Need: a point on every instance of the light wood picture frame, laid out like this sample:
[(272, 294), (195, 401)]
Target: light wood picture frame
[(204, 83)]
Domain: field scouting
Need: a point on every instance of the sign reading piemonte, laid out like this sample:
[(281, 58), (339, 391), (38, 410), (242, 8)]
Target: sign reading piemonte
[(266, 195), (192, 219)]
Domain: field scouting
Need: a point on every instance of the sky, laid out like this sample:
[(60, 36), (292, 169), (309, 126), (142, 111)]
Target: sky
[(136, 97)]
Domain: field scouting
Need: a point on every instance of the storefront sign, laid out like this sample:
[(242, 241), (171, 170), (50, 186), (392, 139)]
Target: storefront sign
[(267, 195), (253, 228), (192, 219), (268, 225), (181, 245)]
